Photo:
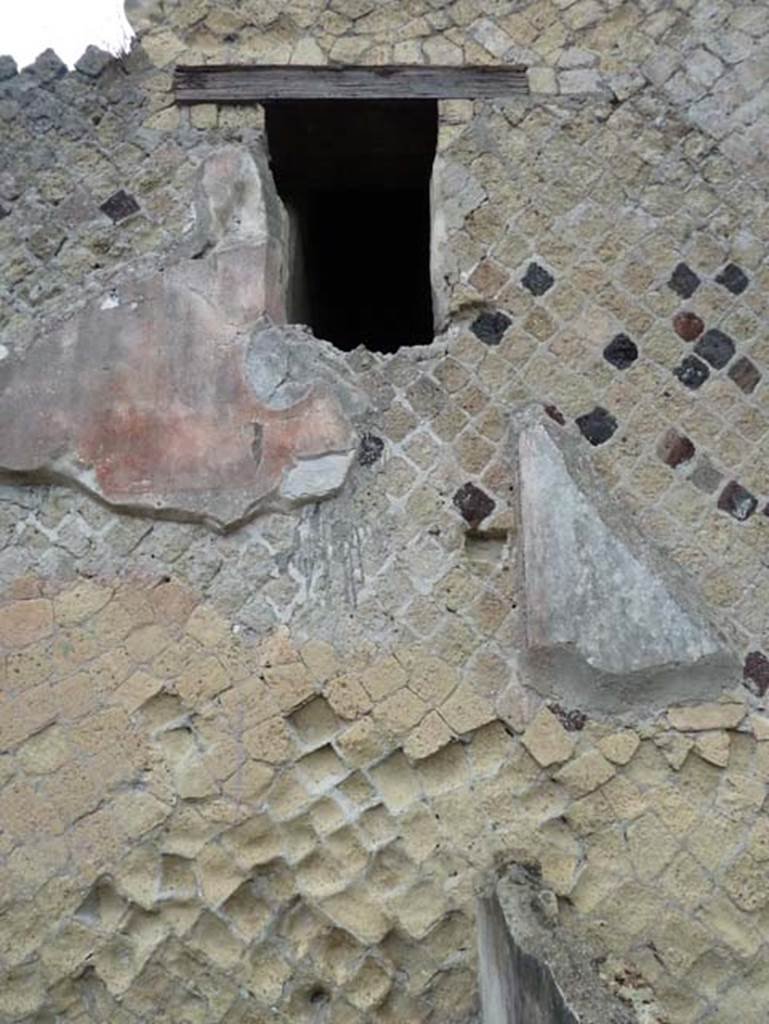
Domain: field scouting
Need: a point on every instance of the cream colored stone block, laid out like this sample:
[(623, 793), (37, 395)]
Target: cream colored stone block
[(326, 816), (619, 747), (760, 727), (559, 870), (650, 845), (137, 690), (288, 797), (217, 873), (383, 677), (396, 781), (427, 738), (733, 927), (489, 748), (202, 678), (320, 876), (270, 741), (362, 743), (747, 882), (321, 660), (357, 791), (713, 747), (78, 603), (138, 811), (256, 841), (322, 769), (377, 826), (315, 723), (291, 685), (446, 770), (466, 710), (354, 912), (419, 909), (138, 876), (216, 942), (44, 752), (701, 717), (249, 914), (208, 627), (674, 747), (399, 712), (430, 677), (24, 622), (370, 986), (420, 834), (586, 773), (348, 698), (546, 739), (249, 782)]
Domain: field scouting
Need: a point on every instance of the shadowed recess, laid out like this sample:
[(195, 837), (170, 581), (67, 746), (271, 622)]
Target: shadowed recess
[(355, 178)]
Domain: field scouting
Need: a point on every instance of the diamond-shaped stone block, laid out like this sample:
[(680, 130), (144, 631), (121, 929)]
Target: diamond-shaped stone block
[(684, 281), (537, 280)]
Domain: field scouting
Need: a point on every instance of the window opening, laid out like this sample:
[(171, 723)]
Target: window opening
[(355, 178)]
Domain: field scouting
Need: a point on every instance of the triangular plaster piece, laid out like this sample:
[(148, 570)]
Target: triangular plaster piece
[(600, 605)]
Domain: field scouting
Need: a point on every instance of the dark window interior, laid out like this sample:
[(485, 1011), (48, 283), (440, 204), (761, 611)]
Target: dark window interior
[(355, 177)]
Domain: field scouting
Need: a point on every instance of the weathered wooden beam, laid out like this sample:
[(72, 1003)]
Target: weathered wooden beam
[(253, 83)]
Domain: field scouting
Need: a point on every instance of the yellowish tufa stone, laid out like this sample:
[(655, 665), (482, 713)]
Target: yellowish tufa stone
[(546, 739), (586, 773), (675, 748), (701, 717), (619, 747), (714, 748), (430, 735), (23, 622)]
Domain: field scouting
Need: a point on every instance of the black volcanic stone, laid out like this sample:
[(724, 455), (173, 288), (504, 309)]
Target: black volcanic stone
[(597, 426), (692, 372), (537, 279), (621, 352), (684, 281), (716, 347), (370, 449), (745, 374), (473, 504), (572, 721), (755, 672), (733, 278), (490, 327), (119, 206), (738, 502)]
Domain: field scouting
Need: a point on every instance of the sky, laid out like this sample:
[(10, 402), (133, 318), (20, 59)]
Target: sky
[(30, 26)]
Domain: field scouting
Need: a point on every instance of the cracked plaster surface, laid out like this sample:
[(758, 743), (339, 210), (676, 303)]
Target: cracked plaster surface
[(177, 395)]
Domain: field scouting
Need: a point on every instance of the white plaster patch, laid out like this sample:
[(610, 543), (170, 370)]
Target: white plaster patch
[(585, 586), (311, 479)]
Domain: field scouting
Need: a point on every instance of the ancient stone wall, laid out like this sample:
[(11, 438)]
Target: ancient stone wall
[(290, 671)]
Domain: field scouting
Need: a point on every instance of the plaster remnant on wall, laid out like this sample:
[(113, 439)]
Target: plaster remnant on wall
[(600, 609), (155, 393)]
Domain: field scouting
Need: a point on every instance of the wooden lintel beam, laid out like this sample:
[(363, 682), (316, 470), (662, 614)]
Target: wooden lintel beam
[(254, 83)]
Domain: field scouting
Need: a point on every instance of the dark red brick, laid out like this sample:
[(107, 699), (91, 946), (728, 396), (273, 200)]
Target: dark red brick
[(755, 672), (675, 449), (688, 326)]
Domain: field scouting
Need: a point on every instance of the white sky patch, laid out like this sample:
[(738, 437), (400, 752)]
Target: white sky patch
[(66, 26)]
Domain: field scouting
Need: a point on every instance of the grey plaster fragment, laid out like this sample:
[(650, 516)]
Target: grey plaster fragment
[(550, 957), (312, 479), (93, 61), (605, 620), (8, 67)]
